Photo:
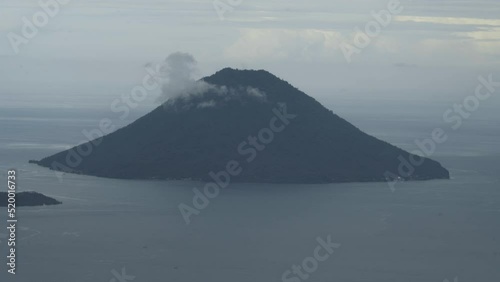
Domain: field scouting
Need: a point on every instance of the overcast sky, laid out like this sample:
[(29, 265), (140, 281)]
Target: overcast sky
[(100, 47)]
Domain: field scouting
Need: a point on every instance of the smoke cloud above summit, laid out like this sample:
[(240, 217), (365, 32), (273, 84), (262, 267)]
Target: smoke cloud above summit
[(178, 71)]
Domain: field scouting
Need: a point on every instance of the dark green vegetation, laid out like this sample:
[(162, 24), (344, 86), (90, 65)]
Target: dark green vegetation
[(183, 140), (28, 199)]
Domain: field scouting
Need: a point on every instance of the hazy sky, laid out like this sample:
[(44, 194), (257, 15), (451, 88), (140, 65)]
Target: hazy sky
[(100, 47)]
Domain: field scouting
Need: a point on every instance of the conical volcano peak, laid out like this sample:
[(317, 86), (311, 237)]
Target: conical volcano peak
[(225, 88), (276, 89), (274, 132), (244, 77), (244, 72), (234, 87)]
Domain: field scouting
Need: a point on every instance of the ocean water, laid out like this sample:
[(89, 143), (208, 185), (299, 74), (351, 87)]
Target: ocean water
[(423, 231)]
